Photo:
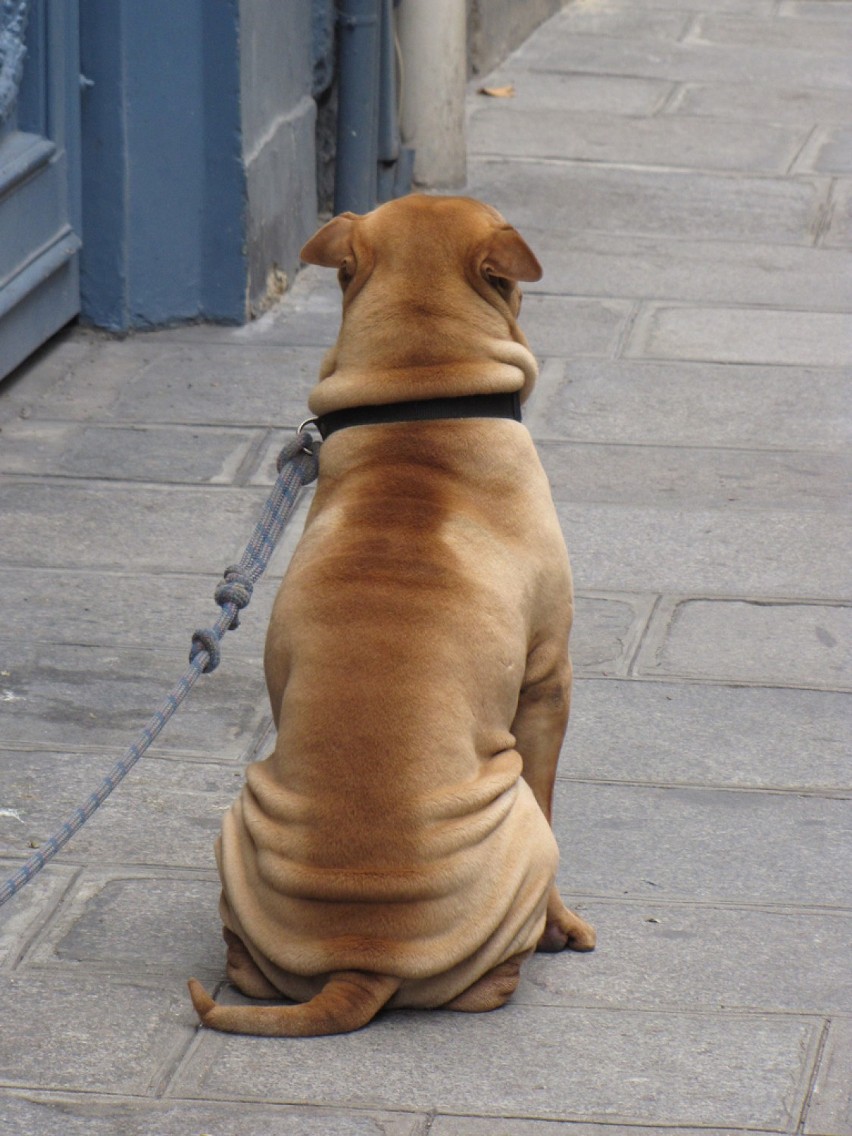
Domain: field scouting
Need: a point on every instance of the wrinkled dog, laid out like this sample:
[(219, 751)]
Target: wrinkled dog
[(395, 848)]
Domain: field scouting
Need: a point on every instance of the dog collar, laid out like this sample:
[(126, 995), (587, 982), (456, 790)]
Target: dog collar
[(503, 405)]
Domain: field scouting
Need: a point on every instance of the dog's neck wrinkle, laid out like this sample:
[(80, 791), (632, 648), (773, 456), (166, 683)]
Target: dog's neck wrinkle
[(397, 347), (346, 387), (343, 390)]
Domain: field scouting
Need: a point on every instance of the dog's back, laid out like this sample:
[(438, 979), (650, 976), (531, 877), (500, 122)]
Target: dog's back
[(395, 658)]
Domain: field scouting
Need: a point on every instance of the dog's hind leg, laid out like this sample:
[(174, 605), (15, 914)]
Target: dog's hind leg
[(541, 718), (492, 990), (244, 972), (539, 728)]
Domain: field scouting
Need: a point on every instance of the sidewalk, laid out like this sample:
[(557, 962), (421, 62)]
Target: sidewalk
[(682, 170)]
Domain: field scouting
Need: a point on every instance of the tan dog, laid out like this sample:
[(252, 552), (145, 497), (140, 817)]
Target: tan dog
[(395, 847)]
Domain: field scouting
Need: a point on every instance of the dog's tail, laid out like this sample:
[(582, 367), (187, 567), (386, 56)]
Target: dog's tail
[(349, 1000)]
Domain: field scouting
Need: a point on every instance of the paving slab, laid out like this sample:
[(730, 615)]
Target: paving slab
[(136, 922), (572, 93), (658, 23), (101, 697), (84, 359), (511, 1126), (560, 325), (728, 335), (148, 380), (838, 232), (84, 1032), (655, 955), (659, 956), (694, 266), (23, 914), (692, 143), (754, 7), (736, 641), (724, 552), (44, 370), (42, 1114), (127, 610), (830, 1111), (698, 405), (708, 845), (654, 475), (121, 527), (308, 317), (697, 734), (821, 37), (537, 1062), (558, 47), (828, 151), (137, 825), (742, 102), (175, 455), (647, 202), (816, 9), (607, 631)]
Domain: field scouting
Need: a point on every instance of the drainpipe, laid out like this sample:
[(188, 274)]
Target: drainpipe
[(370, 164), (433, 43), (358, 29)]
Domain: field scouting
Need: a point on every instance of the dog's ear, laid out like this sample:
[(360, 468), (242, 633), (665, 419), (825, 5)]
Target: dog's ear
[(507, 255), (331, 247)]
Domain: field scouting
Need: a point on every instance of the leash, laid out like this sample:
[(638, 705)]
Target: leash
[(298, 465)]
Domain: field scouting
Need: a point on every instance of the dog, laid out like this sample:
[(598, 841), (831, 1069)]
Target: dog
[(395, 848)]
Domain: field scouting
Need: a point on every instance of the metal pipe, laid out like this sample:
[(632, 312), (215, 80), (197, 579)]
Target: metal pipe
[(396, 162), (388, 150), (356, 166)]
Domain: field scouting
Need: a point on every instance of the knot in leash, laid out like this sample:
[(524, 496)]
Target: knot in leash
[(235, 592), (236, 589), (298, 464), (206, 640)]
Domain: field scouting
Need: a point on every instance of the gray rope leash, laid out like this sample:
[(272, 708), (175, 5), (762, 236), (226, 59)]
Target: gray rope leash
[(297, 466)]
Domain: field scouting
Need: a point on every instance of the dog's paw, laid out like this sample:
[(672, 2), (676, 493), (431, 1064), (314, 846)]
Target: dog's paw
[(565, 930)]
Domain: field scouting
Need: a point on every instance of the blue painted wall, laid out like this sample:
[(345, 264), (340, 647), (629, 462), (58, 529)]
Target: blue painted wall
[(175, 223)]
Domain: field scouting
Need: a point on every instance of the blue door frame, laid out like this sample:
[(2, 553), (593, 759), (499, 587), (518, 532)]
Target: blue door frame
[(40, 223), (163, 180), (174, 138)]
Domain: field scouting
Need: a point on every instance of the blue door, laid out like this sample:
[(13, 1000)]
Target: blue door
[(39, 173)]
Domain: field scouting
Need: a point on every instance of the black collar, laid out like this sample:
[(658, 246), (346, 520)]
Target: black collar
[(504, 405)]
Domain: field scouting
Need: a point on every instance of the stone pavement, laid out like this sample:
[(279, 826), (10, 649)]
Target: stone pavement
[(682, 169)]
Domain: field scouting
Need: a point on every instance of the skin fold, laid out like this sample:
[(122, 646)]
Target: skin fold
[(395, 847)]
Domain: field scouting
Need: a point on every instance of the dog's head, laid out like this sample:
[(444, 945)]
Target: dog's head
[(430, 300), (427, 242)]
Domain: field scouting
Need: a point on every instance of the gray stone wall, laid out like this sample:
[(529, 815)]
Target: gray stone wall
[(278, 123)]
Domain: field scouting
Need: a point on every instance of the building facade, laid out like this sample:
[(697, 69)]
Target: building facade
[(159, 159)]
